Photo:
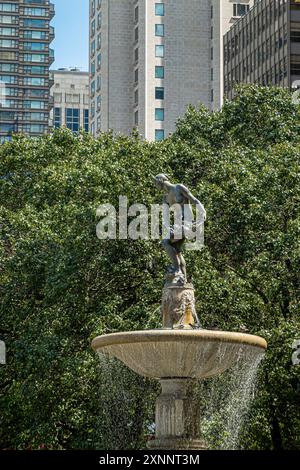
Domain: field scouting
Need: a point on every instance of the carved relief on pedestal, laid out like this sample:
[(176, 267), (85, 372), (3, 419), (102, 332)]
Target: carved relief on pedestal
[(178, 307)]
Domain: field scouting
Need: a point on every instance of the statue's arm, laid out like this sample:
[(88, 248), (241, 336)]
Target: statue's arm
[(193, 200)]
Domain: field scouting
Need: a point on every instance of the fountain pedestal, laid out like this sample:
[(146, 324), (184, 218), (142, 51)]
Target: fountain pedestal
[(178, 307), (177, 419)]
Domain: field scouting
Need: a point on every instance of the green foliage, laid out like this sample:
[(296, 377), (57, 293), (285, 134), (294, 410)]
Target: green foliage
[(61, 286)]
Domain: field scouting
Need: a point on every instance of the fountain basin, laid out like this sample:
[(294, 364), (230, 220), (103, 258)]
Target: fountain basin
[(186, 354)]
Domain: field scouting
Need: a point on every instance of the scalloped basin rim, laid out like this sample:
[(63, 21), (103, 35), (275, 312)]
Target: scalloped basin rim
[(191, 336)]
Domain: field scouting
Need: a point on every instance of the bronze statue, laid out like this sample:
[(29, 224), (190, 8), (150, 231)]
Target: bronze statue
[(180, 195)]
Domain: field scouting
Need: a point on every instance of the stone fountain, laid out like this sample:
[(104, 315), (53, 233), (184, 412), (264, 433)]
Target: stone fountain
[(180, 353)]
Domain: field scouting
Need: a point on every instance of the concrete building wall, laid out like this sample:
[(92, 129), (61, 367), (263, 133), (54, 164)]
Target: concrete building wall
[(70, 91), (186, 61), (192, 61), (120, 65), (111, 105)]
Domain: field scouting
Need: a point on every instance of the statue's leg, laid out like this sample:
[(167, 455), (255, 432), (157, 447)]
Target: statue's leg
[(172, 253)]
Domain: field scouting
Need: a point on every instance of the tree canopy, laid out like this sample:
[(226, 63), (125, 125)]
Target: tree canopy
[(61, 286)]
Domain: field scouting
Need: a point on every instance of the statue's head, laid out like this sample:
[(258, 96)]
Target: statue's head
[(160, 179)]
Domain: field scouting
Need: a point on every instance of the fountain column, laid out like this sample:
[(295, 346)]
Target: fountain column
[(177, 417)]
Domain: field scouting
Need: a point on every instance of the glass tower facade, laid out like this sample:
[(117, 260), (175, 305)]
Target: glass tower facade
[(25, 59)]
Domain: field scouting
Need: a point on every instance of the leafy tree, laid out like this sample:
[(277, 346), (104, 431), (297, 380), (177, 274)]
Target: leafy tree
[(61, 286)]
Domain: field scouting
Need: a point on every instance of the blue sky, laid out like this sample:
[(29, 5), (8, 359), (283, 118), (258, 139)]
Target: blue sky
[(71, 24)]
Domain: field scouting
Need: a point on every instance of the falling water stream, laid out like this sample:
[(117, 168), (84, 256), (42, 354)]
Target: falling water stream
[(226, 400)]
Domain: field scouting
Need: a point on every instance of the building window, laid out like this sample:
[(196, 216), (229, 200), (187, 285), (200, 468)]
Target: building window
[(99, 20), (99, 123), (239, 9), (136, 54), (5, 138), (57, 117), (99, 103), (160, 51), (136, 97), (136, 118), (34, 81), (159, 71), (99, 83), (136, 75), (93, 7), (9, 32), (159, 9), (159, 134), (136, 14), (136, 34), (159, 93), (99, 61), (8, 68), (86, 120), (57, 97), (160, 30), (29, 104), (34, 128), (295, 36), (159, 114), (72, 119)]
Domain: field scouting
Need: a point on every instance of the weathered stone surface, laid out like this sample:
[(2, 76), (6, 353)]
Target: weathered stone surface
[(177, 443), (191, 354), (178, 307), (177, 419)]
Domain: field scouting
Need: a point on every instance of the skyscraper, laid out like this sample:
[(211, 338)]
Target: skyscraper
[(150, 59), (263, 47), (25, 58)]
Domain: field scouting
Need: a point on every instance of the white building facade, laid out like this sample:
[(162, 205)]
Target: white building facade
[(150, 59), (71, 99)]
